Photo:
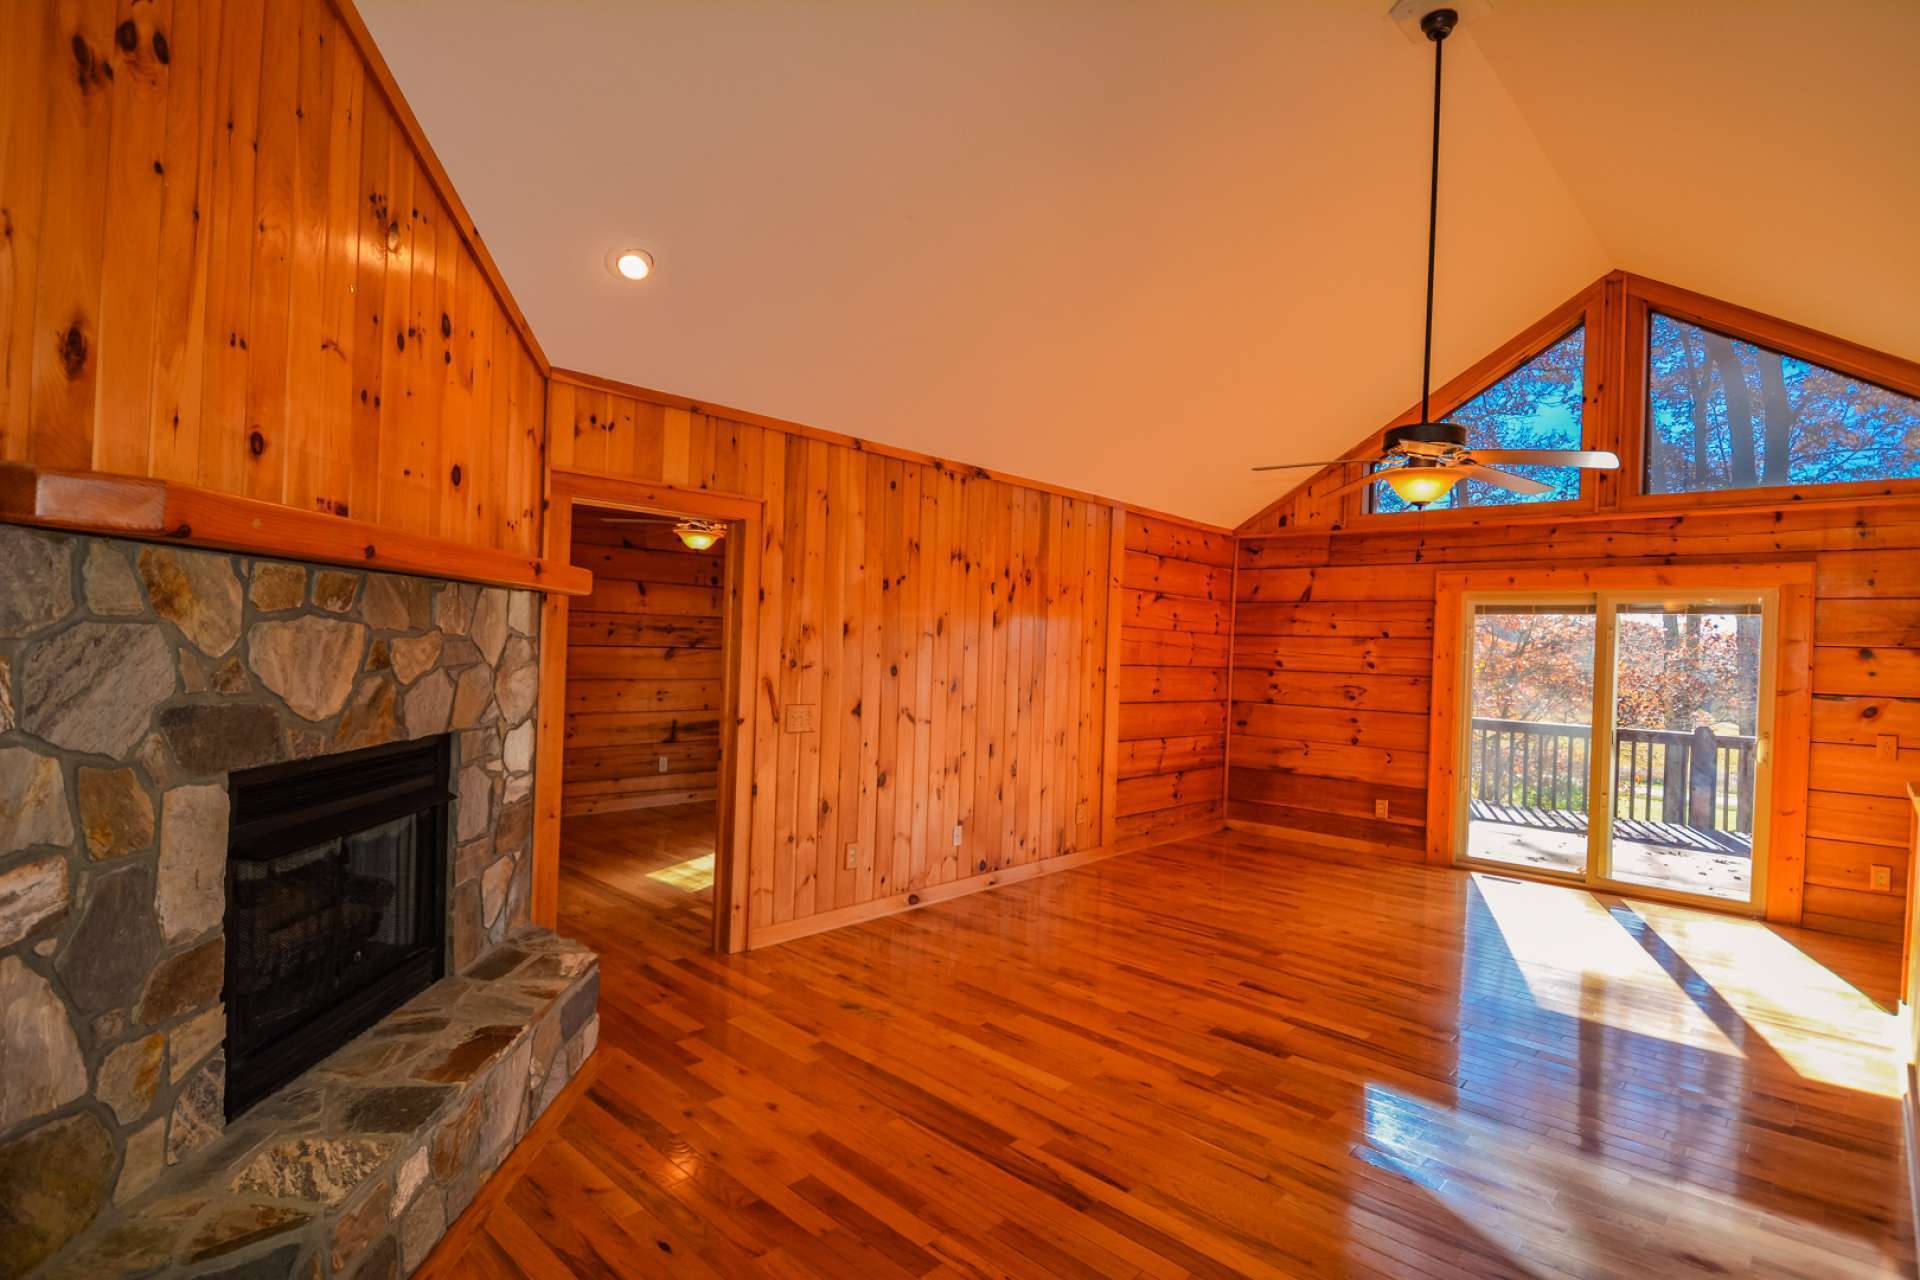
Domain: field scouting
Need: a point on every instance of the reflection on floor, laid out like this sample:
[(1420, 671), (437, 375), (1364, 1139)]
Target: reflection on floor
[(1220, 1057), (1661, 855), (659, 860)]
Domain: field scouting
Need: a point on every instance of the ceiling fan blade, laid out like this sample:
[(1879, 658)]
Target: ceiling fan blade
[(1354, 485), (1291, 466), (1589, 459), (1505, 479)]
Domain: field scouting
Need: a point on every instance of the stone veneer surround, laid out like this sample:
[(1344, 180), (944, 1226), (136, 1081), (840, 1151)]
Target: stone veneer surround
[(133, 678)]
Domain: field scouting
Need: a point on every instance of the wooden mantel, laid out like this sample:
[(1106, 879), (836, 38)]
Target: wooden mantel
[(162, 511)]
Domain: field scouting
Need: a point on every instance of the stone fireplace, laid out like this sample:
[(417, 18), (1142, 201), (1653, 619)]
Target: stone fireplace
[(251, 812)]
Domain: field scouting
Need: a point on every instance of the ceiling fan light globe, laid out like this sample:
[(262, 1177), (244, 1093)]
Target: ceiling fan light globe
[(1418, 486)]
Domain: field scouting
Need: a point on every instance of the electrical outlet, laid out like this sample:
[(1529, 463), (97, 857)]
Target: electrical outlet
[(853, 857), (1080, 813), (956, 835), (1379, 808), (1887, 745), (800, 717), (1882, 878), (664, 765)]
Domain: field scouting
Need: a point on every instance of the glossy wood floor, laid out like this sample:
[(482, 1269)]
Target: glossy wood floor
[(1218, 1057)]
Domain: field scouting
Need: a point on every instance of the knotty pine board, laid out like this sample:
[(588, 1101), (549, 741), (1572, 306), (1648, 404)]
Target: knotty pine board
[(1175, 636), (228, 265)]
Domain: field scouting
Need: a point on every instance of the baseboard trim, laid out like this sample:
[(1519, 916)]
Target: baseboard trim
[(626, 804), (1343, 843), (1150, 839), (769, 935)]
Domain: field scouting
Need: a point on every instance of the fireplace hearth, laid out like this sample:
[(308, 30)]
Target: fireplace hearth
[(336, 873)]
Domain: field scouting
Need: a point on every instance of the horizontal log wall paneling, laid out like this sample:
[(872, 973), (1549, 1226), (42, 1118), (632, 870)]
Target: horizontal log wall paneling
[(933, 656), (1177, 591), (645, 669), (228, 264), (1332, 661)]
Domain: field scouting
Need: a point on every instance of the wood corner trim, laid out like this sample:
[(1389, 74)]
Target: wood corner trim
[(162, 511)]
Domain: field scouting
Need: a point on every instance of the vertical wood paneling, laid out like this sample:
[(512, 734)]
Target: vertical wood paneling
[(948, 631), (197, 284)]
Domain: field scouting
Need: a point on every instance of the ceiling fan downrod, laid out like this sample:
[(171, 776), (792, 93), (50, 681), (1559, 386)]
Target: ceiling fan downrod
[(1437, 25)]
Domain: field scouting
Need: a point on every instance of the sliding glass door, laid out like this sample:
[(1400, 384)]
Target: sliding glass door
[(1530, 740), (1619, 739)]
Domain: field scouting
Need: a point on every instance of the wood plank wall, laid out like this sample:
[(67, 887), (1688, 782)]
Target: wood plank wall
[(644, 673), (225, 263), (1332, 664), (1174, 639), (947, 628)]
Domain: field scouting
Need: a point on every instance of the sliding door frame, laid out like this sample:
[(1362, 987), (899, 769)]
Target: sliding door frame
[(1780, 869)]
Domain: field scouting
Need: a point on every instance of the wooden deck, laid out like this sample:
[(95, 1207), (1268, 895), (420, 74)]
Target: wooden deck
[(1219, 1057), (1664, 855)]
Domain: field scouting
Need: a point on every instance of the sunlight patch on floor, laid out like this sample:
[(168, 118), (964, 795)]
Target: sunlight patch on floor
[(1822, 1025), (1612, 1218), (695, 875), (1577, 960)]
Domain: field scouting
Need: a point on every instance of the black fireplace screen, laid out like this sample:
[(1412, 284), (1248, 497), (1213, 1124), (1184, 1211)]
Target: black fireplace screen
[(336, 871)]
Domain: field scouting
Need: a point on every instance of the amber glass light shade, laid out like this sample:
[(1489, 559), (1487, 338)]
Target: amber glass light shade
[(699, 535), (1417, 486)]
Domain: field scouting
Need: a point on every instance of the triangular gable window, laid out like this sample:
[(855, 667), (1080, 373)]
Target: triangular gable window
[(1537, 406), (1723, 413)]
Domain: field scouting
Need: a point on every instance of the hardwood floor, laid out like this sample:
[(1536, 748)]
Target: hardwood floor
[(1217, 1057)]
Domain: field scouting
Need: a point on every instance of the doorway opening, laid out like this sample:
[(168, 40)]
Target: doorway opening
[(646, 668), (1619, 738)]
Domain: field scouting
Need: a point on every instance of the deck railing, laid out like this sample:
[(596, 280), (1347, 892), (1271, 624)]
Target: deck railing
[(1699, 779)]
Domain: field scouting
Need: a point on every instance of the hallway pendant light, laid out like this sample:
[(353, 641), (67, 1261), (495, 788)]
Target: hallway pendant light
[(700, 535)]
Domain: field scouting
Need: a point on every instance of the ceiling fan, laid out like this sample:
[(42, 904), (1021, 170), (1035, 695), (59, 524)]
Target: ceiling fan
[(1427, 458), (698, 535)]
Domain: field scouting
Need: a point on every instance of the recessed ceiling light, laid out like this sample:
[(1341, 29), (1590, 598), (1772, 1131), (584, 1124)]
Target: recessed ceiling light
[(633, 264)]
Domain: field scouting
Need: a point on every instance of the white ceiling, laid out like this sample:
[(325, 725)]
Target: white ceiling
[(1137, 246)]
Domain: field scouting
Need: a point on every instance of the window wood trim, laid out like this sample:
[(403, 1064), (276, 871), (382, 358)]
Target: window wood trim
[(1642, 297)]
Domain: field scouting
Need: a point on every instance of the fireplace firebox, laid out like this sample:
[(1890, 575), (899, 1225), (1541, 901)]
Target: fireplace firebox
[(336, 916)]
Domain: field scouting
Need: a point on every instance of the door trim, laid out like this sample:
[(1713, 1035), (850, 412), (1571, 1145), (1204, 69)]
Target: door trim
[(1783, 876), (740, 625)]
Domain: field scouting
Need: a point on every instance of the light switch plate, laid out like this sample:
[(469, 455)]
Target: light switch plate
[(665, 766), (1888, 746), (956, 835)]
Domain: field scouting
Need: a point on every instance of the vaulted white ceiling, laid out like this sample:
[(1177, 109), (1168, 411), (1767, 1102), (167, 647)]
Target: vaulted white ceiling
[(1139, 247)]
